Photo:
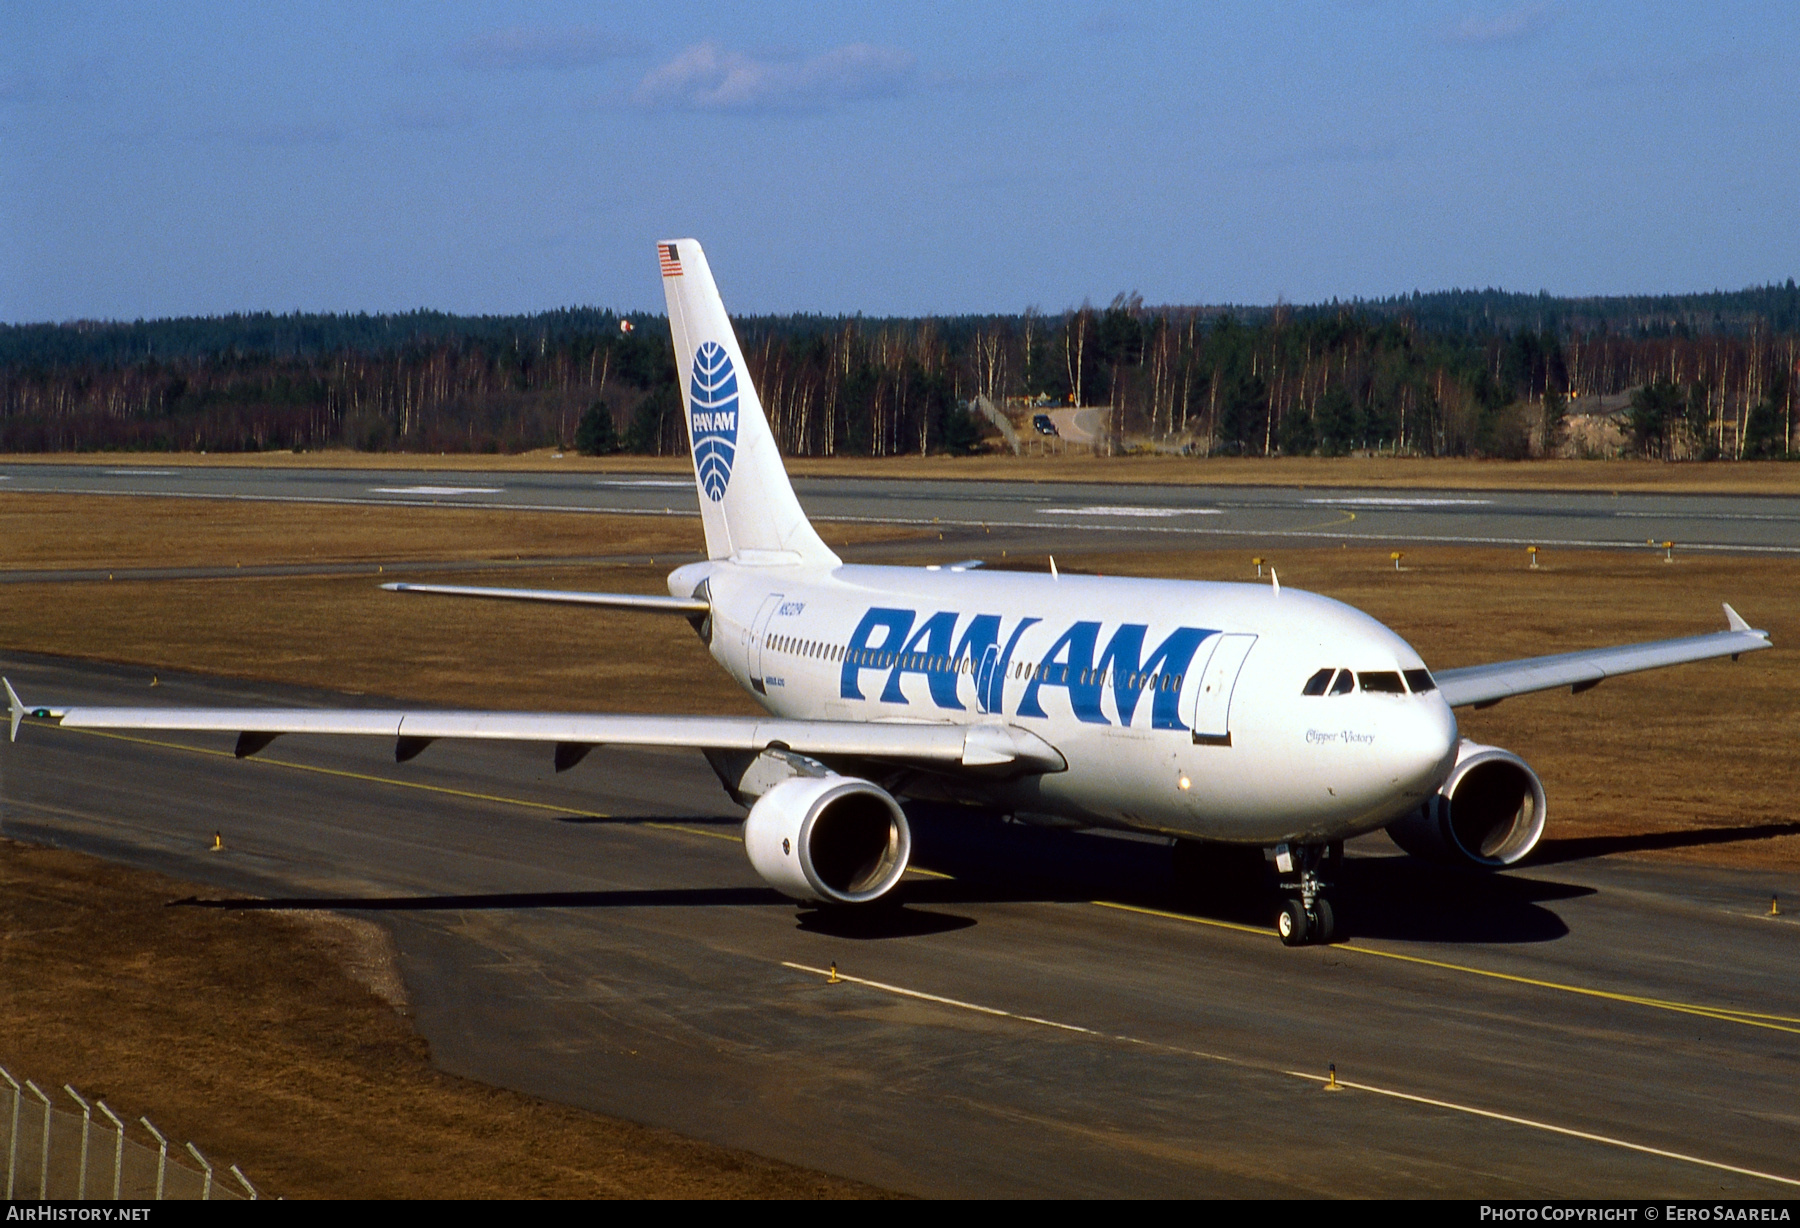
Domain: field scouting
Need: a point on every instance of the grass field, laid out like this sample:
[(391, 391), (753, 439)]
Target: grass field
[(1676, 760), (1754, 478), (247, 1033), (1688, 764)]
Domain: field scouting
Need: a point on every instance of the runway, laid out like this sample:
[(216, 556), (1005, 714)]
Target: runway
[(1043, 1017), (1045, 516)]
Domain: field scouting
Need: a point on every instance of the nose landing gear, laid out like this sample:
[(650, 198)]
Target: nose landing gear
[(1307, 915)]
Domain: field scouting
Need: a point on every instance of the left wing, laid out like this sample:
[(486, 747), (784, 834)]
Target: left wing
[(991, 745), (1486, 685), (690, 606)]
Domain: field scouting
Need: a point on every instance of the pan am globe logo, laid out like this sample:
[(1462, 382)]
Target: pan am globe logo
[(714, 398)]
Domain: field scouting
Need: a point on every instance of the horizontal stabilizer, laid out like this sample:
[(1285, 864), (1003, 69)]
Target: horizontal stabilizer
[(644, 603)]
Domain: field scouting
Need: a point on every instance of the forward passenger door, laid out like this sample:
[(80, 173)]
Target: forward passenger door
[(1211, 721)]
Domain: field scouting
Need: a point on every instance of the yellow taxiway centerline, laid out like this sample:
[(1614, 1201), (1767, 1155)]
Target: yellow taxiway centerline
[(834, 976), (388, 780), (1725, 1014)]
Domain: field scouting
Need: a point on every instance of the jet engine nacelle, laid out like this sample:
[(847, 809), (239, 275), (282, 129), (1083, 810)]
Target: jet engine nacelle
[(830, 839), (1489, 813)]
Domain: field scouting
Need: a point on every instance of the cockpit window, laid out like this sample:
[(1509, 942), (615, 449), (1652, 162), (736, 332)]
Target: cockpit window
[(1346, 682), (1384, 681), (1316, 684), (1418, 681)]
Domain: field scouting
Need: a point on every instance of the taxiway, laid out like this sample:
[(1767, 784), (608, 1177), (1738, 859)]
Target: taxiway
[(1044, 1016)]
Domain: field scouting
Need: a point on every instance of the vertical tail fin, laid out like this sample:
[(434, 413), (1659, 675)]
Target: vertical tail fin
[(746, 502)]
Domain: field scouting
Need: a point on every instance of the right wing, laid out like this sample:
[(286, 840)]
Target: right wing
[(1486, 685), (990, 745)]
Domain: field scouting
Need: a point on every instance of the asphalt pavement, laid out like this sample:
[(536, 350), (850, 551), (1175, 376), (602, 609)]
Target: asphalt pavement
[(1044, 1016), (1055, 516)]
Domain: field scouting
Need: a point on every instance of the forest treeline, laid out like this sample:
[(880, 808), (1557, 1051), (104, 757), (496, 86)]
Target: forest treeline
[(1454, 373)]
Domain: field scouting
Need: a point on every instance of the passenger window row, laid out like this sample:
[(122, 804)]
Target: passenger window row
[(806, 648), (870, 658), (1061, 675), (1380, 681), (938, 664)]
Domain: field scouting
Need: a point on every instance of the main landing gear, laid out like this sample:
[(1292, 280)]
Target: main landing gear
[(1306, 916)]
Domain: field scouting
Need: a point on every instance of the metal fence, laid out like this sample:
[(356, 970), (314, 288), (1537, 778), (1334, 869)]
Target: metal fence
[(87, 1153)]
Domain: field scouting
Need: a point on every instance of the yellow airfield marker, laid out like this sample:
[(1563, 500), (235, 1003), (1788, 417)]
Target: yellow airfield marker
[(218, 844)]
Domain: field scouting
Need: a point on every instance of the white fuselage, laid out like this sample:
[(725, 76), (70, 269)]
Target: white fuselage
[(1178, 706)]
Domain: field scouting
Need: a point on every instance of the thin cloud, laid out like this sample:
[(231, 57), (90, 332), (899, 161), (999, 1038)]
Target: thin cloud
[(706, 77), (1511, 27), (530, 48), (1700, 70), (282, 135)]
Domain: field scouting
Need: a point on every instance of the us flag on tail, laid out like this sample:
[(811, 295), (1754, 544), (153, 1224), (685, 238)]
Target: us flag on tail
[(671, 261)]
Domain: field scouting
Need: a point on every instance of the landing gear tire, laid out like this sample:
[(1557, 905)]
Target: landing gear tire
[(1307, 915), (1324, 926), (1292, 924)]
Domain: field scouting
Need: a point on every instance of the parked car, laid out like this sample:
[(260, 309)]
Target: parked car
[(1043, 424)]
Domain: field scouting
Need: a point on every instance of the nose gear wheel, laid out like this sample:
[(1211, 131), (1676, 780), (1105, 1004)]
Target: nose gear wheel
[(1307, 915)]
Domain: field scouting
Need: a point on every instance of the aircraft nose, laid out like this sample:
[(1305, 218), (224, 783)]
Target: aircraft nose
[(1431, 742)]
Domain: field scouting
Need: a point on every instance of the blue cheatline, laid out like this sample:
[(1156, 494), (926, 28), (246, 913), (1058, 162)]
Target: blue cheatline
[(714, 397)]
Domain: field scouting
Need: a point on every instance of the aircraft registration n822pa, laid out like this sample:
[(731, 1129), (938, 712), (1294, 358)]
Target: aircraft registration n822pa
[(1226, 716)]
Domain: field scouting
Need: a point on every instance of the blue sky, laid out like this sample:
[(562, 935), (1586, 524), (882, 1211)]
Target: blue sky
[(186, 158)]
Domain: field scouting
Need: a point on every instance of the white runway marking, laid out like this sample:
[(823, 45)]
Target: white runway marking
[(138, 473), (1604, 1140), (1146, 512), (435, 490), (1401, 501), (631, 482), (1548, 1127)]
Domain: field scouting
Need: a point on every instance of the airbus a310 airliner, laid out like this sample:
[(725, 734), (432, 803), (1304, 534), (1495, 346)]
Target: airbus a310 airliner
[(1239, 715)]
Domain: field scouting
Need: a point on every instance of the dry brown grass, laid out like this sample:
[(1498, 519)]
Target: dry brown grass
[(1724, 477), (56, 531), (1697, 750), (347, 634), (242, 1032)]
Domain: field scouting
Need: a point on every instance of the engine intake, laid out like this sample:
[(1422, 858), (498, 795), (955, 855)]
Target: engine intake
[(830, 839), (1489, 813)]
